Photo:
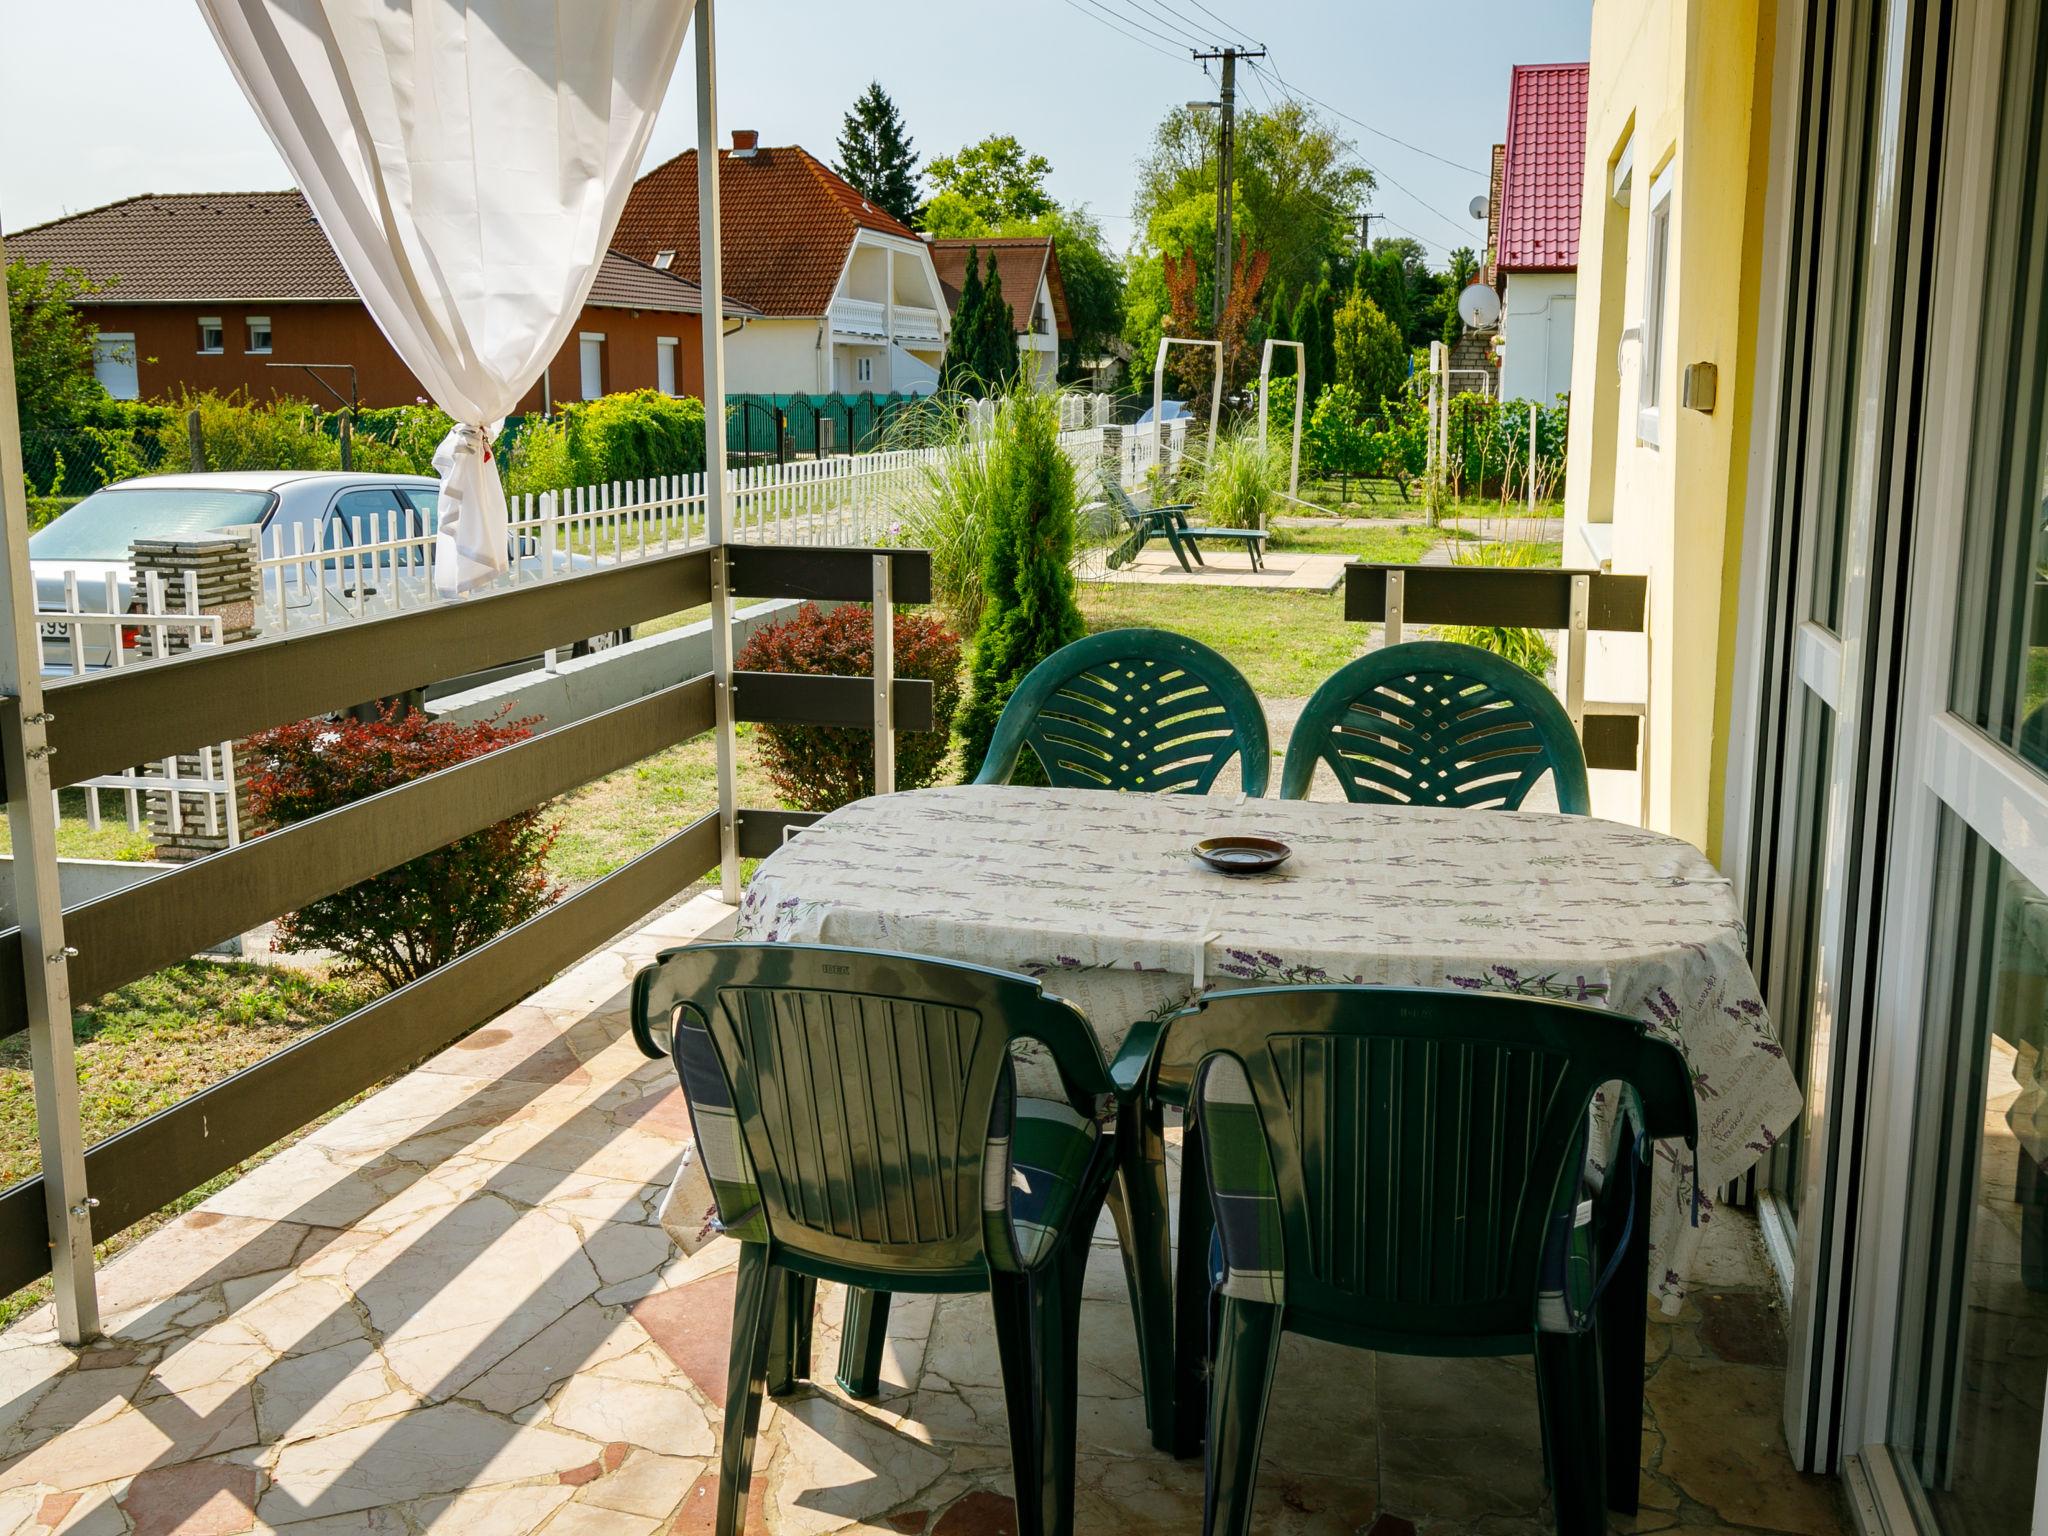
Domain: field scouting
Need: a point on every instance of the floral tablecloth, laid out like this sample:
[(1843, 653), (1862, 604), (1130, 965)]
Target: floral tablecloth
[(1099, 895)]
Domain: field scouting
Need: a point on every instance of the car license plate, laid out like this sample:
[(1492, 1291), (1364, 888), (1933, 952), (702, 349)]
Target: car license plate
[(54, 631)]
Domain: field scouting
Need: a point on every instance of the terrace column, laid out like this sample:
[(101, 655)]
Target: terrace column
[(711, 283)]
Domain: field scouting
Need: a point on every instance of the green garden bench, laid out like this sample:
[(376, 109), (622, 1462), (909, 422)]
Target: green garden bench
[(1171, 524), (1408, 1171)]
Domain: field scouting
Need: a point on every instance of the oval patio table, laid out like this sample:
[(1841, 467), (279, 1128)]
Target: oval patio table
[(1099, 895)]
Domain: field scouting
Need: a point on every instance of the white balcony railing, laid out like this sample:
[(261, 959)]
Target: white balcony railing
[(871, 317)]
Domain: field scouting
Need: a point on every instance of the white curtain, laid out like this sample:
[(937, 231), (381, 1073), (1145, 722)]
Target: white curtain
[(468, 159)]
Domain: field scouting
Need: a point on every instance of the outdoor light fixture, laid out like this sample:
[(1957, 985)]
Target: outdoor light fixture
[(1698, 387), (1204, 106)]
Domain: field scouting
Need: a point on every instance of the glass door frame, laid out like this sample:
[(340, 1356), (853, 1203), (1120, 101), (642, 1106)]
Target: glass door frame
[(1945, 761), (1850, 357)]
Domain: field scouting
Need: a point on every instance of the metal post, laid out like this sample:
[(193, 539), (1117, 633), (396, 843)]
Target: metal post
[(1532, 458), (1396, 597), (885, 678), (711, 283), (38, 904), (1575, 653), (1159, 404)]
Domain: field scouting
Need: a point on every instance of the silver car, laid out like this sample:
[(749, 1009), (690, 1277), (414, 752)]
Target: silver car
[(313, 510)]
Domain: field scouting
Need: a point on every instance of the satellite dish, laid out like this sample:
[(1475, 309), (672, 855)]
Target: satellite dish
[(1479, 306), (1478, 207)]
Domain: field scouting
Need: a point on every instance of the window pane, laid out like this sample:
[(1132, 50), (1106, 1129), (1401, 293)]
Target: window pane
[(2001, 678), (1971, 1362)]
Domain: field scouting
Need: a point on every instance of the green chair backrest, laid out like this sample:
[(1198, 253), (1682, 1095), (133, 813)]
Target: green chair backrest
[(1389, 1163), (849, 1104), (1432, 722), (1133, 709), (1113, 488)]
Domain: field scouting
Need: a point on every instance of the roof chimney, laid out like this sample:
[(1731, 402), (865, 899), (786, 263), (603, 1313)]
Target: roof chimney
[(745, 141)]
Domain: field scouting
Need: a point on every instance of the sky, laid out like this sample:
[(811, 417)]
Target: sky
[(102, 99)]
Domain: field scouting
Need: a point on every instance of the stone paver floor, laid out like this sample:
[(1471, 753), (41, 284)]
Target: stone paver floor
[(452, 1310), (1285, 570)]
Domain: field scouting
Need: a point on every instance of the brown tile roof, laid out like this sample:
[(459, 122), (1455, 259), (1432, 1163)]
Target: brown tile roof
[(1544, 174), (1022, 260), (226, 247), (788, 221)]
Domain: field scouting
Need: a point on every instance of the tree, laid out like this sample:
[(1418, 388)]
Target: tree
[(876, 156), (994, 182), (956, 368), (53, 344), (1297, 195), (1372, 359), (1027, 569), (1443, 321), (995, 340)]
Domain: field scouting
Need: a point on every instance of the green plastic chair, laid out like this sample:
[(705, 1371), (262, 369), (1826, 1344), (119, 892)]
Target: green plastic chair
[(1432, 722), (854, 1110), (1406, 1171), (1171, 524), (1133, 709)]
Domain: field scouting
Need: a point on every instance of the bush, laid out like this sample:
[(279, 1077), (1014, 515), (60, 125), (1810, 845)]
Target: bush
[(1528, 649), (402, 924), (1027, 566), (1241, 482), (241, 433), (820, 768), (948, 514)]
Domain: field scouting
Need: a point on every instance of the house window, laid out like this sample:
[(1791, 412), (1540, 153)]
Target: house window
[(1656, 271), (665, 364), (259, 333), (590, 352), (113, 364), (664, 259), (864, 370), (211, 337)]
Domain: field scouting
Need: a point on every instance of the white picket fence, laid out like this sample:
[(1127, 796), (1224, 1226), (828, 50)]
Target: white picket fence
[(91, 640), (378, 566)]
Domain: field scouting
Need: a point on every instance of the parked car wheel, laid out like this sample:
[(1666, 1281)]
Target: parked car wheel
[(602, 642)]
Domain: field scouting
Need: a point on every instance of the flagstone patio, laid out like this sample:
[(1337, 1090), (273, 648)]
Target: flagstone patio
[(451, 1309)]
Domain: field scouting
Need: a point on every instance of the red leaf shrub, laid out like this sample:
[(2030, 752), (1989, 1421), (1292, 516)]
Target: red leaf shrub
[(820, 768), (405, 922)]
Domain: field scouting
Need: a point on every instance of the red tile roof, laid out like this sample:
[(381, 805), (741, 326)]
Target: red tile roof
[(1022, 260), (229, 247), (788, 221), (1545, 169)]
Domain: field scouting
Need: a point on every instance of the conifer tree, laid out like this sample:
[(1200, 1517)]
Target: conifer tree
[(957, 368), (875, 155), (1027, 568), (996, 334)]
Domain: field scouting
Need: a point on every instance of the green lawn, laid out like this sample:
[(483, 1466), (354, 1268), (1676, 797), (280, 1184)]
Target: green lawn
[(76, 840), (143, 1048), (1390, 546), (1285, 643)]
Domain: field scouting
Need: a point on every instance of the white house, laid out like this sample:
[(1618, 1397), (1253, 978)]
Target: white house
[(1536, 229), (1030, 270), (849, 300)]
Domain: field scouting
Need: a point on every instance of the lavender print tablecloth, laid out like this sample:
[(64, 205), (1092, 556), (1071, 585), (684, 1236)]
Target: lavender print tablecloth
[(1098, 894)]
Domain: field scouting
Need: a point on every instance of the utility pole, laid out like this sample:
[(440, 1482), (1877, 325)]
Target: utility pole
[(1226, 167)]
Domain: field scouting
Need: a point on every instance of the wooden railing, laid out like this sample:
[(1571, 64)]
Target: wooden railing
[(100, 723), (1575, 603)]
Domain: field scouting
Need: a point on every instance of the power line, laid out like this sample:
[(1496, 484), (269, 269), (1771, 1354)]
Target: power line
[(1074, 5), (1153, 31), (1296, 90), (1192, 38), (1197, 4)]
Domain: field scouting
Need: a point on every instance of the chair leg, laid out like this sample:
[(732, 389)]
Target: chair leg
[(1247, 1350), (1179, 547), (1574, 1439), (1191, 1296), (753, 1319), (1138, 1201), (789, 1335), (1623, 1328), (861, 1339), (1028, 1321)]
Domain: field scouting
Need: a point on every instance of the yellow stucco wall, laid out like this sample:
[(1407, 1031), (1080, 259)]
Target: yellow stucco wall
[(1678, 79)]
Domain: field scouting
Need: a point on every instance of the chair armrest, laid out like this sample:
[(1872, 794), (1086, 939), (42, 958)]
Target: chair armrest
[(1134, 1057)]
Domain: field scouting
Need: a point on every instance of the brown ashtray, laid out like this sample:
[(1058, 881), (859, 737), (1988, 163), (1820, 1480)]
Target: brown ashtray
[(1242, 855)]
